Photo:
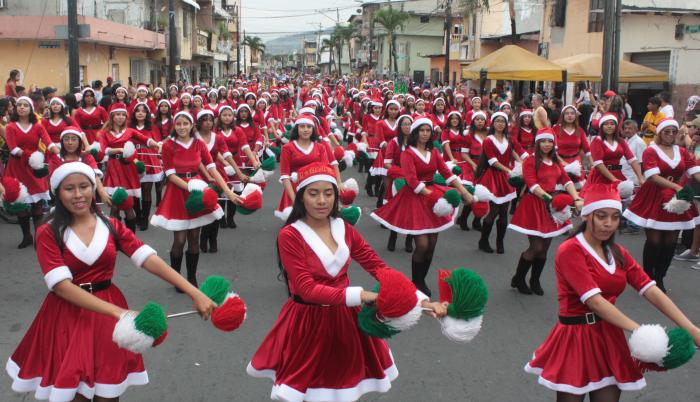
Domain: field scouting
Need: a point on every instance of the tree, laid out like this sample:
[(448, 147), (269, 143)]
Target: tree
[(391, 20), (471, 5), (345, 33), (255, 44)]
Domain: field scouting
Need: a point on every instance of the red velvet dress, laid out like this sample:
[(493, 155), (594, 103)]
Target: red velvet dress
[(55, 129), (387, 132), (315, 351), (494, 179), (473, 145), (392, 156), (149, 156), (236, 142), (179, 158), (582, 358), (409, 212), (459, 145), (253, 138), (67, 349), (121, 173), (374, 135), (525, 137), (18, 166), (91, 122), (646, 209), (603, 152), (569, 148), (55, 161), (531, 216)]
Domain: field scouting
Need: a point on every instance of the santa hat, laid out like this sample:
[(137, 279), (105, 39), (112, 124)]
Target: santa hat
[(481, 114), (164, 101), (28, 100), (185, 114), (118, 108), (243, 106), (439, 100), (57, 100), (525, 112), (204, 112), (393, 102), (186, 95), (71, 130), (158, 89), (422, 121), (607, 117), (314, 172), (667, 122), (305, 119), (493, 116), (142, 88), (601, 196), (503, 104), (454, 113), (69, 168), (544, 134)]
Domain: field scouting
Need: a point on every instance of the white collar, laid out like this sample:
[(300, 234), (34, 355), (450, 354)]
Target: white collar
[(91, 252), (479, 139), (140, 127), (670, 162), (230, 131), (390, 126), (375, 117), (548, 163), (608, 265), (501, 146), (212, 140), (612, 147), (425, 158), (90, 112), (28, 127), (440, 117), (244, 125), (186, 145), (119, 134), (302, 150), (332, 263), (568, 132), (56, 124)]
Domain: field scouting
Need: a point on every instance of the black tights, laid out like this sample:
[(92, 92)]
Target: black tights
[(538, 248), (610, 393), (424, 249), (180, 237), (658, 252), (499, 211)]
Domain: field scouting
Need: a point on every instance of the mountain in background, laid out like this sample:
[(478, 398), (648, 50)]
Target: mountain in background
[(288, 44)]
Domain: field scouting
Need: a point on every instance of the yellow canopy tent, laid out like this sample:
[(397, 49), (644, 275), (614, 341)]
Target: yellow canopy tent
[(512, 62), (588, 67)]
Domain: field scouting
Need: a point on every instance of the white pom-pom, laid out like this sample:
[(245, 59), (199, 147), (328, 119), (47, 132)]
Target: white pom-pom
[(442, 207), (450, 165), (129, 149), (249, 188), (294, 177), (560, 217), (196, 185), (258, 176), (351, 184), (128, 337), (517, 170), (230, 171), (362, 147), (481, 193), (267, 173), (286, 212), (626, 189), (460, 330), (23, 193), (284, 140), (574, 168), (676, 206), (407, 320), (36, 160), (338, 134), (649, 343), (349, 157), (96, 146)]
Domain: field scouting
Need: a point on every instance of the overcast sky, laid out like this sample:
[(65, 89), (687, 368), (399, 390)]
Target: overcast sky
[(269, 19)]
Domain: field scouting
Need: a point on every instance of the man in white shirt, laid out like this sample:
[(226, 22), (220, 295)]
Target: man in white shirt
[(666, 107), (630, 131)]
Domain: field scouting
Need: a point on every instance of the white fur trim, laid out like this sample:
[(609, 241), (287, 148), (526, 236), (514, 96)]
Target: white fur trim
[(482, 193), (419, 188), (186, 224), (128, 337), (416, 231), (574, 168), (560, 217), (407, 320), (650, 172), (284, 214), (88, 253), (537, 233), (15, 151), (591, 386), (458, 330), (67, 169), (196, 185), (349, 157), (36, 160), (589, 294), (332, 262), (666, 123), (352, 296), (230, 171), (649, 343), (659, 225), (589, 208), (626, 189), (492, 161), (422, 121), (141, 255), (451, 179), (315, 178), (258, 176), (57, 275), (362, 147), (129, 149), (442, 207), (351, 184), (646, 287)]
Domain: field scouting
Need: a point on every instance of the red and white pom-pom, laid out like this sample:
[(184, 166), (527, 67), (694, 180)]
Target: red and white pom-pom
[(196, 185), (252, 197), (129, 150), (15, 191), (37, 160), (128, 337), (231, 314), (348, 195), (398, 303), (649, 343), (482, 193), (626, 189), (348, 157), (573, 168), (294, 177), (561, 208), (338, 153), (258, 177), (229, 170), (480, 209), (676, 206), (517, 170), (440, 205)]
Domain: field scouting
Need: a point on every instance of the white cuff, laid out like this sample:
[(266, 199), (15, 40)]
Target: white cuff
[(352, 296), (228, 155), (596, 163), (52, 145), (245, 146), (419, 188), (388, 160), (334, 163), (650, 172), (327, 139), (589, 294), (646, 287), (141, 254), (445, 142), (151, 142), (382, 144), (284, 176), (631, 160), (421, 296), (107, 151), (587, 153), (258, 143), (567, 183), (693, 170), (169, 172), (56, 275), (451, 179), (532, 189), (492, 161), (16, 150), (524, 155), (464, 150), (99, 173), (211, 166)]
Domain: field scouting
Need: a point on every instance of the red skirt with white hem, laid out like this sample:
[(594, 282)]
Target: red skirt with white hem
[(533, 219), (497, 182), (172, 214), (647, 210), (122, 175)]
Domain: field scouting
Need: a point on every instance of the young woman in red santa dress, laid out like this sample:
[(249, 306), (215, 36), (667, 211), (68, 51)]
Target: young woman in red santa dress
[(213, 102), (58, 119), (315, 351), (477, 133), (392, 158), (388, 129), (303, 148), (183, 154), (439, 116), (173, 96), (121, 171), (23, 136), (499, 154), (419, 110), (524, 130), (454, 147), (67, 353), (90, 116), (253, 136), (371, 137), (461, 106), (572, 143), (542, 173), (185, 104), (141, 99), (141, 122), (666, 166), (410, 211), (586, 352), (476, 107), (607, 151)]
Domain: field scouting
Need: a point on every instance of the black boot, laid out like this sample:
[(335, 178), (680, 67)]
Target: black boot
[(204, 239), (380, 192), (476, 223), (137, 211), (663, 261), (518, 281), (369, 185), (130, 224), (463, 219), (408, 246), (419, 271), (176, 264), (513, 205), (500, 235), (191, 261), (391, 246), (159, 191), (484, 240), (537, 267), (213, 237), (145, 214), (650, 258), (230, 214), (224, 207), (27, 239)]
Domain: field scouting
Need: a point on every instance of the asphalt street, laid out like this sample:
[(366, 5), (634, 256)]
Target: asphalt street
[(199, 363)]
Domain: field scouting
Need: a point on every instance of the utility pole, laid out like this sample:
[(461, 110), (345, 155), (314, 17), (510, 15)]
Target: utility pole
[(237, 13), (448, 34), (610, 54), (172, 43), (73, 51), (615, 76)]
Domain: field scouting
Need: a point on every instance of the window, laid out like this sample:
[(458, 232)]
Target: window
[(115, 72), (559, 15), (595, 16), (83, 74), (186, 24), (424, 19)]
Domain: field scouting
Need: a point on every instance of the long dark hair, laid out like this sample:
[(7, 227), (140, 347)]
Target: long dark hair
[(460, 126), (483, 163), (146, 121), (294, 135), (63, 151), (609, 245), (413, 139), (159, 115), (539, 156), (399, 135), (249, 120), (94, 98), (472, 126), (173, 133), (32, 116), (298, 212)]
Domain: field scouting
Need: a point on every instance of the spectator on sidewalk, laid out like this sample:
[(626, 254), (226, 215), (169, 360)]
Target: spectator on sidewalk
[(652, 118), (630, 132), (666, 107), (12, 83), (693, 252)]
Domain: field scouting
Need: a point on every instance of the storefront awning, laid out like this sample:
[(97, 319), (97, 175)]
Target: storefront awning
[(514, 63), (588, 67)]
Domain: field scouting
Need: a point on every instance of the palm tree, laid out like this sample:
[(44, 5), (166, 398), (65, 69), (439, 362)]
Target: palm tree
[(256, 45), (327, 44), (345, 33), (391, 19)]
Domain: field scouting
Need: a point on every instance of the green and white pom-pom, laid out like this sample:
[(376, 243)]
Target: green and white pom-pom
[(348, 157), (516, 176), (140, 167), (482, 193), (129, 150), (681, 201), (94, 150), (573, 169), (138, 332), (626, 189), (668, 349), (37, 161), (437, 145), (454, 168), (438, 179), (362, 151), (268, 164), (216, 288), (397, 185), (447, 203), (467, 294), (351, 214)]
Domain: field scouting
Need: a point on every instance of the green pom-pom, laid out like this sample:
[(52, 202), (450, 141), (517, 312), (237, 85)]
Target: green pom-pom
[(457, 170), (216, 189), (399, 183), (216, 288), (119, 196), (351, 214), (94, 152), (368, 323), (516, 181), (15, 208), (276, 151), (288, 128), (244, 211), (470, 188), (681, 348), (140, 167), (43, 172), (438, 179), (437, 145), (268, 164), (453, 197), (342, 165), (194, 203), (686, 194), (469, 294), (151, 320)]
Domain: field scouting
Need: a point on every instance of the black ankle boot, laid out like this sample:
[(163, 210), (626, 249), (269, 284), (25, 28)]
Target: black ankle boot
[(145, 214), (369, 185), (518, 281), (137, 212), (391, 246), (464, 218), (191, 261), (176, 264), (213, 237), (484, 240), (500, 235), (130, 224), (408, 246), (204, 239), (230, 214), (27, 239), (537, 267), (419, 271)]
